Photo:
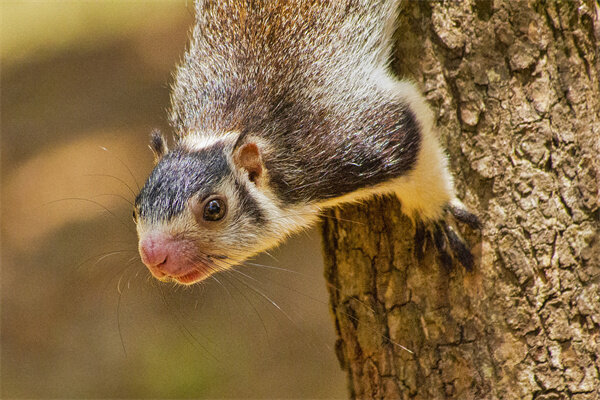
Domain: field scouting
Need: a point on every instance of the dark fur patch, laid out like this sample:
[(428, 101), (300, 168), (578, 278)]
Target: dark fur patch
[(336, 160), (248, 205), (178, 176)]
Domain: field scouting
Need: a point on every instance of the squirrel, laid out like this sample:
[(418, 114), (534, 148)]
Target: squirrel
[(282, 109)]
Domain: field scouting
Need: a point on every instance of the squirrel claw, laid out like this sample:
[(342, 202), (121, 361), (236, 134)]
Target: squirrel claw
[(449, 244), (461, 214)]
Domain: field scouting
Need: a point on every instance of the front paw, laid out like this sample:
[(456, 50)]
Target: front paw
[(449, 244)]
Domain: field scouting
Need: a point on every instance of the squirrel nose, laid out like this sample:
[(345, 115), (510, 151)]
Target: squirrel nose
[(154, 250), (165, 255)]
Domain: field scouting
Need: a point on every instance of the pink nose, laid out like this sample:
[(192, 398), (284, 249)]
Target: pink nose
[(172, 257), (165, 255), (154, 250), (161, 254)]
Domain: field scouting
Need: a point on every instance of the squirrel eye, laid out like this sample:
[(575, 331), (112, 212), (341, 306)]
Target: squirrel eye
[(214, 210)]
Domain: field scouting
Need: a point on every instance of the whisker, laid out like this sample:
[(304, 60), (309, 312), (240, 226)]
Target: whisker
[(184, 329), (102, 255), (262, 321), (112, 253), (93, 202), (252, 264), (366, 306), (228, 301), (344, 313), (268, 299), (341, 219), (206, 264), (119, 273), (123, 163), (319, 214), (119, 314), (270, 255), (114, 195), (116, 178), (330, 285), (133, 258)]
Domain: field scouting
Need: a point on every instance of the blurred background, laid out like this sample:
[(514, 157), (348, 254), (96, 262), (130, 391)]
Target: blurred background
[(82, 84)]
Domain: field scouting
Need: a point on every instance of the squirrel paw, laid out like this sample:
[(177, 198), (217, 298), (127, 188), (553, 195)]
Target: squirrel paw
[(450, 245)]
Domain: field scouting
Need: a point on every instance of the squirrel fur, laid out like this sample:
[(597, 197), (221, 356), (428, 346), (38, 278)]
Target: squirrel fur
[(281, 109)]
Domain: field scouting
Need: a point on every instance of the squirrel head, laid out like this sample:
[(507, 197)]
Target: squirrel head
[(206, 206)]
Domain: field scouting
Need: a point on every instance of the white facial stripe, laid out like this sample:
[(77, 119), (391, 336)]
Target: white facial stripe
[(198, 141)]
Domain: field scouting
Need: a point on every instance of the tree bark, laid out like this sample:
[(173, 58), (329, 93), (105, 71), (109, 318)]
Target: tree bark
[(515, 85)]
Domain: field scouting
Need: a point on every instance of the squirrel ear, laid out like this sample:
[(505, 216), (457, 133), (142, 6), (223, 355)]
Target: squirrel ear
[(158, 145), (248, 157)]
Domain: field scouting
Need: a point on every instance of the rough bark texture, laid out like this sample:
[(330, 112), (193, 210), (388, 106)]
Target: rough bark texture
[(515, 85)]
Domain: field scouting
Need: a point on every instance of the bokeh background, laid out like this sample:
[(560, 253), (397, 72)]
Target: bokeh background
[(82, 84)]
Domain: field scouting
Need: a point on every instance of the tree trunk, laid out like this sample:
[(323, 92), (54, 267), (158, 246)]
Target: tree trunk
[(515, 85)]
